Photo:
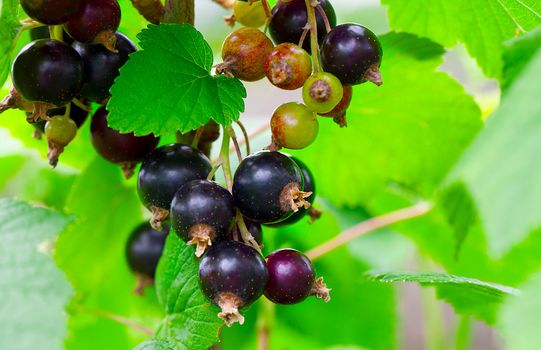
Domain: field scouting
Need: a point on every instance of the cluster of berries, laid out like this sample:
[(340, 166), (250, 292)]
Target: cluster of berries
[(342, 56), (69, 65), (269, 188)]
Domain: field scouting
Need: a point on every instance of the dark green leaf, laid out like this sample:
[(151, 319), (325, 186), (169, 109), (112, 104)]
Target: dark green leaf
[(10, 29), (481, 25), (191, 321), (33, 291), (518, 53), (168, 87)]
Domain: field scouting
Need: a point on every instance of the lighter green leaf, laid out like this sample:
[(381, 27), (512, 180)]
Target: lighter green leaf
[(501, 168), (155, 345), (9, 31), (92, 254), (191, 321), (168, 87), (519, 322), (518, 53), (482, 25), (467, 295), (409, 132), (32, 290)]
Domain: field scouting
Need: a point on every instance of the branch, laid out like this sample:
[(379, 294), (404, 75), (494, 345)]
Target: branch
[(152, 10), (179, 11), (368, 226)]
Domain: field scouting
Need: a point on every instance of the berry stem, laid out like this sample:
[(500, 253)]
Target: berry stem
[(29, 23), (179, 11), (325, 18), (214, 169), (57, 32), (226, 163), (312, 22), (245, 234), (246, 137), (197, 137), (267, 9), (117, 318), (368, 226), (233, 137)]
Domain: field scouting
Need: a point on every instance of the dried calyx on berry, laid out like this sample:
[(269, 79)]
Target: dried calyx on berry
[(339, 112), (163, 172), (243, 53), (292, 278), (202, 212), (15, 101), (288, 66), (232, 275), (127, 150), (143, 251), (268, 187)]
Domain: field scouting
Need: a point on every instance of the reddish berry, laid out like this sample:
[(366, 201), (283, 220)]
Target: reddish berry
[(288, 66), (294, 126)]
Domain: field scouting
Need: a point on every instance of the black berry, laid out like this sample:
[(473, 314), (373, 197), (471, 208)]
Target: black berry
[(289, 19), (233, 276), (353, 54), (101, 66), (48, 71), (268, 187), (51, 12), (164, 171), (202, 212), (143, 251), (124, 149)]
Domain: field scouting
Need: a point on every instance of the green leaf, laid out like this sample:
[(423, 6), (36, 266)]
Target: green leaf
[(10, 28), (155, 345), (519, 322), (168, 87), (518, 53), (191, 321), (467, 295), (500, 170), (407, 133), (33, 291), (482, 25), (92, 254)]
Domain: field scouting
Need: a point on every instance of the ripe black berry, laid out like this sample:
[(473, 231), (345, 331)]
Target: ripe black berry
[(143, 251), (288, 66), (124, 149), (51, 11), (96, 22), (292, 278), (268, 187), (202, 212), (101, 66), (309, 186), (289, 19), (48, 71), (164, 171), (232, 275), (353, 54), (244, 52)]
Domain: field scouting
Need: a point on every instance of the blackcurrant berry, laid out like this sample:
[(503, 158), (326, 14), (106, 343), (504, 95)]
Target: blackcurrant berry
[(143, 251), (244, 52), (293, 126), (322, 92), (309, 186), (232, 275), (288, 66), (60, 131), (124, 149), (202, 212), (96, 22), (353, 54), (292, 278), (102, 66), (164, 171), (51, 11), (48, 71), (289, 19), (249, 13), (268, 187)]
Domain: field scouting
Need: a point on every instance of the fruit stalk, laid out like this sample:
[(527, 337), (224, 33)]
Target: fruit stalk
[(368, 226), (152, 10), (314, 45), (179, 11), (57, 32), (226, 163)]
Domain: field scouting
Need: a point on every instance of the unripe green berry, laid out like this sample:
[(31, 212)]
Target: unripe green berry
[(322, 92)]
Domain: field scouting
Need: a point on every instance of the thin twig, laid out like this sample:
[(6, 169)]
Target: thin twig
[(325, 18), (197, 137), (246, 137), (314, 44), (260, 130), (233, 136), (368, 226), (226, 163), (117, 318)]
